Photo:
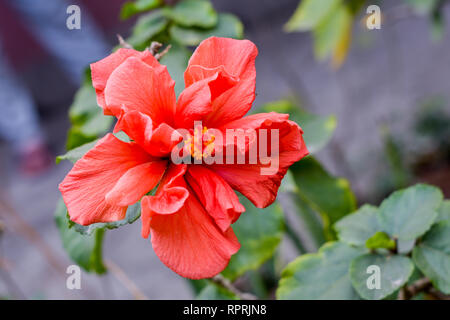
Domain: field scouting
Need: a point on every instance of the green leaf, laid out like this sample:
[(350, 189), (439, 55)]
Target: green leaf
[(77, 153), (380, 240), (437, 24), (432, 256), (421, 6), (85, 114), (320, 276), (76, 138), (358, 227), (328, 195), (405, 246), (131, 8), (84, 104), (176, 60), (147, 27), (332, 37), (192, 13), (317, 130), (394, 273), (309, 230), (259, 232), (214, 292), (444, 211), (87, 118), (407, 214), (97, 124), (84, 250), (133, 213), (228, 26), (310, 13)]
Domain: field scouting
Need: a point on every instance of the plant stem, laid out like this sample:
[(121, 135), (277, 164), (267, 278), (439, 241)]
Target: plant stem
[(125, 280), (421, 285), (225, 283)]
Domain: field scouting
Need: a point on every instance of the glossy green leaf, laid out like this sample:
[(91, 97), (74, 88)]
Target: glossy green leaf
[(133, 213), (192, 13), (214, 292), (358, 227), (310, 230), (76, 138), (85, 114), (328, 195), (176, 61), (407, 214), (332, 37), (87, 118), (147, 27), (380, 240), (259, 232), (437, 24), (131, 8), (423, 6), (310, 13), (317, 130), (308, 225), (97, 124), (432, 256), (84, 104), (405, 246), (77, 153), (394, 272), (228, 26), (320, 276), (444, 211), (84, 250)]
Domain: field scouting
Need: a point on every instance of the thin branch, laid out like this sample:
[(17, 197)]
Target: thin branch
[(438, 295), (158, 56), (154, 47), (19, 225), (419, 286), (125, 280), (402, 294), (123, 43), (5, 267), (223, 282)]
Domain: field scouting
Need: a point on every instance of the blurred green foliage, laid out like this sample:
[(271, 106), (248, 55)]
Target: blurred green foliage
[(331, 23)]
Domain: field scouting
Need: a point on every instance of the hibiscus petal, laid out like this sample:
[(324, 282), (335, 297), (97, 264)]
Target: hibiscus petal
[(232, 104), (237, 58), (248, 179), (139, 127), (94, 175), (189, 242), (219, 200), (135, 183), (169, 197), (196, 100), (101, 70), (137, 86)]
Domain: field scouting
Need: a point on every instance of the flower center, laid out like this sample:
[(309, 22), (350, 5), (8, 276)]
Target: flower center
[(200, 144)]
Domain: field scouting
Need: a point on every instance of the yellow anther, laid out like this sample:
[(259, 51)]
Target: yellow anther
[(203, 149)]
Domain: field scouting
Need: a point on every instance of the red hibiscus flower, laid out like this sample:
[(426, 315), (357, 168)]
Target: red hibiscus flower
[(189, 216)]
